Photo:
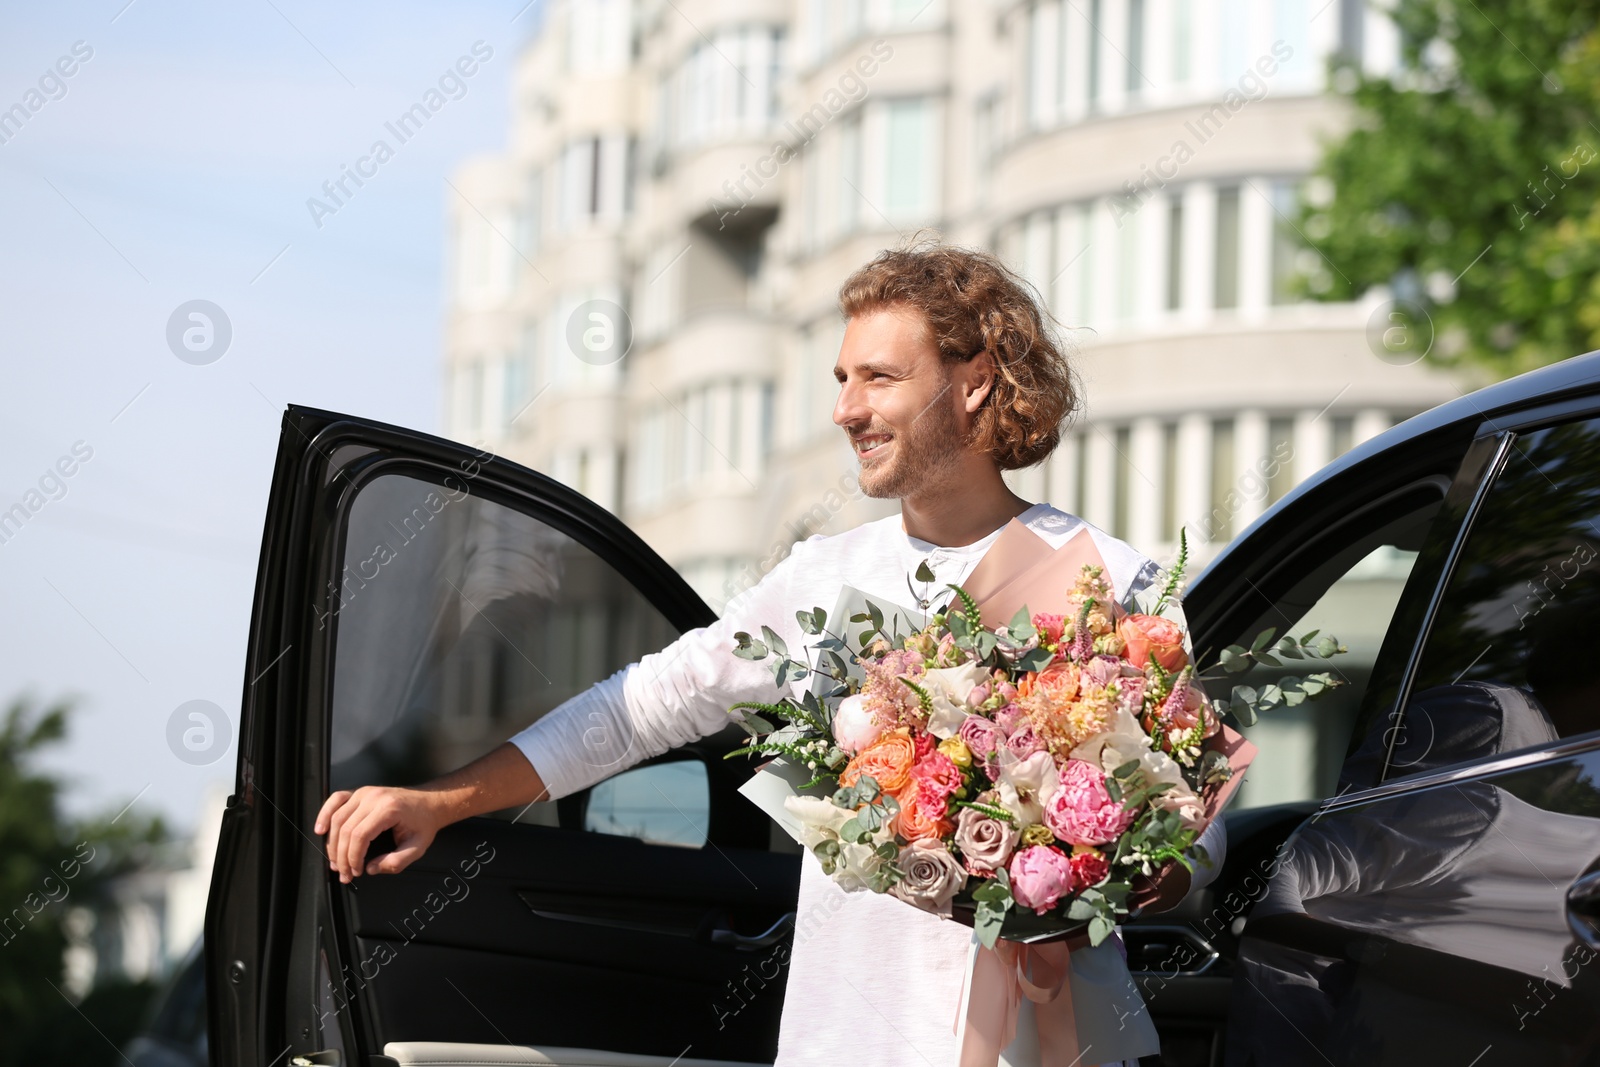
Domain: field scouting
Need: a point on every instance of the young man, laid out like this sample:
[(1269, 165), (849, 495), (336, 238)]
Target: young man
[(948, 375)]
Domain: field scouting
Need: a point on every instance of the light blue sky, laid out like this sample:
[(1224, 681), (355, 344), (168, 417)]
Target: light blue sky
[(176, 167)]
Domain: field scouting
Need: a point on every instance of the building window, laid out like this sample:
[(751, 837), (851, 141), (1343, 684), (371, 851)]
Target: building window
[(1182, 39), (592, 178), (1135, 46), (1094, 54), (1080, 472), (1128, 276), (1344, 434), (1286, 245), (1226, 294), (725, 87), (1122, 483), (599, 36), (1220, 524), (1175, 253), (1280, 458), (908, 159), (849, 193), (1169, 481)]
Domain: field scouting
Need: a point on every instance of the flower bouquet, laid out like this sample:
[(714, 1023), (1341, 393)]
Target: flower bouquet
[(1023, 778)]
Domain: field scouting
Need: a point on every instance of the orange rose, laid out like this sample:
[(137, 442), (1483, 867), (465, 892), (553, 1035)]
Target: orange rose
[(1061, 680), (887, 760), (1145, 634), (922, 814)]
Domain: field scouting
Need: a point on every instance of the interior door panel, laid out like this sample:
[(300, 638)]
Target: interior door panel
[(554, 934)]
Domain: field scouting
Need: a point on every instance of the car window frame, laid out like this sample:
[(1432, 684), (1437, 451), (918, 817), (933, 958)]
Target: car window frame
[(1500, 434)]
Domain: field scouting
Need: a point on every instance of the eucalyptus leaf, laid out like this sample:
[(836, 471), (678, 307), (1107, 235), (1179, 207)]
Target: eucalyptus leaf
[(987, 923), (747, 647), (924, 572)]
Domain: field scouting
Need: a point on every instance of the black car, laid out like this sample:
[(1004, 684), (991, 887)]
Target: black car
[(1431, 899)]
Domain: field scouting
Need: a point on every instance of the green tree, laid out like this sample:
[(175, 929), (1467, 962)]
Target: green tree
[(48, 862), (1477, 163)]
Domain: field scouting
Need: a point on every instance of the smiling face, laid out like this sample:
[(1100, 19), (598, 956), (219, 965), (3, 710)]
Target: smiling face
[(905, 410)]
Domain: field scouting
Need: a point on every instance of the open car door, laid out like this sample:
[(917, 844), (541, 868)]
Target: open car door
[(418, 603)]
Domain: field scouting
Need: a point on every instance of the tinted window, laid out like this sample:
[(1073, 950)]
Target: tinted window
[(460, 621), (1509, 657), (1345, 584)]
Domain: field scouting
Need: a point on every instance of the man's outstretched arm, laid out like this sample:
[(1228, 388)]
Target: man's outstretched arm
[(501, 778)]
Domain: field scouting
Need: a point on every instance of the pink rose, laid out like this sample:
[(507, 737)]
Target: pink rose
[(1006, 690), (1081, 812), (938, 773), (1040, 876), (1089, 867), (1024, 741)]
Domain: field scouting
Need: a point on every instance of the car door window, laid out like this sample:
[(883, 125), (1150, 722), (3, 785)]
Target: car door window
[(1345, 583), (1508, 659), (460, 621)]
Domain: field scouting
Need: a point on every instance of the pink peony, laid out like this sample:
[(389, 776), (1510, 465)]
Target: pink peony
[(1131, 693), (1024, 741), (938, 773), (1009, 717), (1081, 812), (1102, 668), (1040, 876), (1089, 868), (979, 694), (981, 736)]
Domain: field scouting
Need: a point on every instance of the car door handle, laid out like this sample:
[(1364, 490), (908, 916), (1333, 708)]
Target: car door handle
[(1583, 909), (770, 936)]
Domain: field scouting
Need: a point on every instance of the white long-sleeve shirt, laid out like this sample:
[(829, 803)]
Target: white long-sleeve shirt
[(871, 979)]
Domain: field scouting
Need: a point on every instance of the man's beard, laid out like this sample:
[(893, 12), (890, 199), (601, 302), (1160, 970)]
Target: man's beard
[(926, 457)]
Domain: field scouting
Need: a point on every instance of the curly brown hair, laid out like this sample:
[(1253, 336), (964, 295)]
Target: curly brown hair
[(972, 303)]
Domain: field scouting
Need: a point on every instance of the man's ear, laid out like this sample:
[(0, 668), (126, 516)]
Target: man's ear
[(974, 379)]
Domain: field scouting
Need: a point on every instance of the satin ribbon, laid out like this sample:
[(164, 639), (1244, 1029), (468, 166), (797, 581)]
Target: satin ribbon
[(1001, 977)]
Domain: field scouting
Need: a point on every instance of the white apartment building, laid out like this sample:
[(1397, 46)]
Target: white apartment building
[(702, 174)]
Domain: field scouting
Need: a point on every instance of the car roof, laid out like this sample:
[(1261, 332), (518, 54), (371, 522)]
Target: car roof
[(1577, 376)]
